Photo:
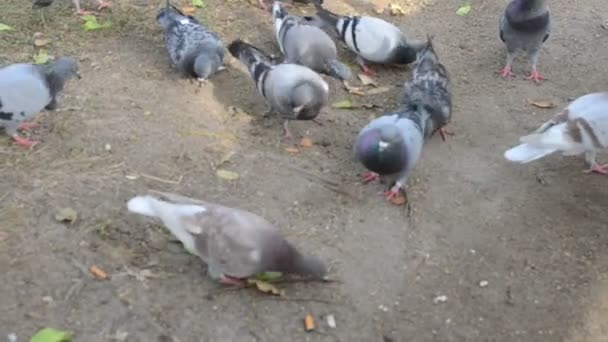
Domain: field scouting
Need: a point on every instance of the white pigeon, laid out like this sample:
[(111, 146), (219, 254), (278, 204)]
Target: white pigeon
[(580, 127), (234, 243)]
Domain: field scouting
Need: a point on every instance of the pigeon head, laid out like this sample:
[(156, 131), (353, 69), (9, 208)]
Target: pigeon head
[(427, 52), (281, 256), (382, 150), (404, 54), (206, 64), (307, 100), (65, 68), (278, 11)]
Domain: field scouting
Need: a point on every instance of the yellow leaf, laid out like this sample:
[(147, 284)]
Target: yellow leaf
[(396, 9), (188, 10), (541, 103), (227, 175), (306, 142), (344, 104), (366, 80), (67, 215), (265, 287), (464, 10)]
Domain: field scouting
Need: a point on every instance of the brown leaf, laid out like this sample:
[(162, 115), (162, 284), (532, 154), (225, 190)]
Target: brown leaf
[(366, 80), (188, 10), (98, 272), (306, 142), (541, 103), (265, 287), (40, 42), (400, 199)]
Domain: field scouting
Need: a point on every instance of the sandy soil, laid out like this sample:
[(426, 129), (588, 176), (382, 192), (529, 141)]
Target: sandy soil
[(535, 233)]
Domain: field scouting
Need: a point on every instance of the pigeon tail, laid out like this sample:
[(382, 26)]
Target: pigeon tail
[(307, 266), (247, 53), (526, 153), (338, 70), (555, 137), (142, 205)]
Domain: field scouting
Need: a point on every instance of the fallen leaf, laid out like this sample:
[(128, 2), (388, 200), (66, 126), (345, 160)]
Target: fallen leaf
[(292, 149), (378, 90), (5, 28), (396, 9), (51, 335), (464, 10), (227, 175), (188, 10), (147, 113), (366, 80), (265, 287), (91, 23), (269, 276), (226, 158), (198, 3), (309, 323), (344, 104), (306, 142), (541, 103), (356, 91), (41, 57), (40, 42), (98, 272), (67, 215), (379, 9), (400, 199)]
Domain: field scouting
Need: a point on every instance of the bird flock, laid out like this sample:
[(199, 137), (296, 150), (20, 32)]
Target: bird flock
[(236, 244)]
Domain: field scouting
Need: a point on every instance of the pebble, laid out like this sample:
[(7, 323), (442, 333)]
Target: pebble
[(12, 337), (483, 283), (331, 321), (47, 299), (108, 147), (383, 308), (440, 299)]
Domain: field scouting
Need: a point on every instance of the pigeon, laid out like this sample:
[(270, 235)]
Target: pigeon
[(525, 25), (45, 3), (580, 127), (27, 89), (234, 243), (288, 3), (372, 39), (430, 85), (195, 50), (307, 45), (392, 144), (294, 91)]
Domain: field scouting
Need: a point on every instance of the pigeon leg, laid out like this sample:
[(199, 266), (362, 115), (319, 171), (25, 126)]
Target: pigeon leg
[(506, 71), (19, 140), (369, 176), (104, 4), (263, 5), (534, 74), (26, 126), (231, 281), (394, 191), (443, 132), (79, 10), (286, 130), (366, 70), (594, 166)]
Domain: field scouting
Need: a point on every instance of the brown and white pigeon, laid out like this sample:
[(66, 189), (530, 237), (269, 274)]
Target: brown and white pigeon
[(429, 84), (101, 5), (27, 89), (234, 243), (581, 127), (525, 25)]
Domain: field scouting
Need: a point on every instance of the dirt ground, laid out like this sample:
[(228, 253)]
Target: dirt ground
[(519, 252)]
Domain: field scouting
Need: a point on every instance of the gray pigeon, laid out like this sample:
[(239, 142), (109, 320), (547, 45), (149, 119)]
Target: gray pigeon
[(45, 3), (525, 25), (372, 39), (391, 145), (287, 3), (307, 45), (581, 127), (194, 49), (429, 84), (27, 89), (294, 91), (234, 243)]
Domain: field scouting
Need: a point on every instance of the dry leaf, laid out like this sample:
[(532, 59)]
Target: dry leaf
[(356, 91), (40, 42), (98, 272), (188, 10), (309, 323), (396, 9), (67, 215), (400, 199), (366, 80), (227, 175), (541, 103), (292, 150), (306, 142), (378, 90), (379, 9), (265, 287)]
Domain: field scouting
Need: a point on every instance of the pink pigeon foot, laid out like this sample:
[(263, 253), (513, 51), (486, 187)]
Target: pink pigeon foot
[(231, 281), (26, 126), (443, 132), (21, 141), (369, 176), (367, 71), (506, 72), (535, 76), (83, 12), (390, 194), (601, 169), (104, 4)]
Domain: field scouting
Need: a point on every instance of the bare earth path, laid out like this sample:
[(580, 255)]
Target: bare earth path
[(536, 233)]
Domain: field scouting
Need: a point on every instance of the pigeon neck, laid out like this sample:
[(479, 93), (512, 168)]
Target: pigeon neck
[(55, 82)]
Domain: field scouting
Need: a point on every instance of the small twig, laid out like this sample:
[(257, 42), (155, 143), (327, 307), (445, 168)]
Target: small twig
[(162, 180), (297, 299)]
